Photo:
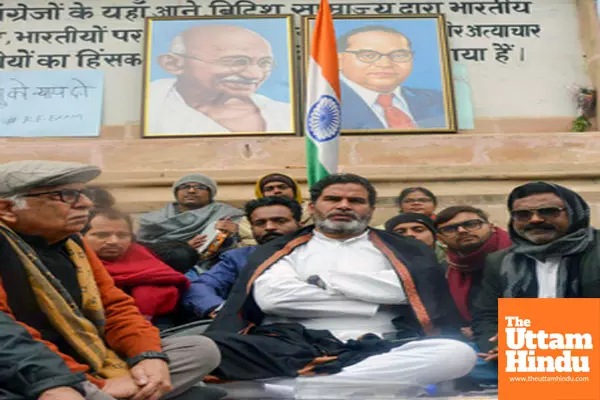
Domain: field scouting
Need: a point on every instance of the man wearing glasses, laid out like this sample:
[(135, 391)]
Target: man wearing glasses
[(217, 70), (470, 238), (374, 63), (56, 287), (556, 254), (194, 217)]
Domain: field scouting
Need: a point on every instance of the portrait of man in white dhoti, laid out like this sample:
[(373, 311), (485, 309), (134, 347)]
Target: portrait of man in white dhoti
[(224, 76)]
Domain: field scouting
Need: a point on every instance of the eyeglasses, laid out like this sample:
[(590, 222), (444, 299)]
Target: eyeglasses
[(470, 226), (69, 196), (542, 212), (418, 200), (239, 63), (371, 56), (188, 186)]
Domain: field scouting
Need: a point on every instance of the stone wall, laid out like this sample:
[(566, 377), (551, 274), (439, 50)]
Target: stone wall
[(478, 169)]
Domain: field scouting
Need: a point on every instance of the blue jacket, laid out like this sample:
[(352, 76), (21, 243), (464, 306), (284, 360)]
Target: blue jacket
[(210, 289), (425, 105)]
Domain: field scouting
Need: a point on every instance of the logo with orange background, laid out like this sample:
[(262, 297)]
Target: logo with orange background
[(549, 349)]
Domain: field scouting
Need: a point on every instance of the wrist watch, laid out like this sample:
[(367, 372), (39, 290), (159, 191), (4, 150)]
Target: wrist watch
[(148, 355)]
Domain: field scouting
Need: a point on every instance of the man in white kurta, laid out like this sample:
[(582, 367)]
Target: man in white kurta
[(216, 72), (340, 281)]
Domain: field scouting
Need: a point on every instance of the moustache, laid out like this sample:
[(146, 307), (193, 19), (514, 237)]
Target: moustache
[(343, 214), (238, 79), (111, 247), (466, 235), (270, 236), (543, 226)]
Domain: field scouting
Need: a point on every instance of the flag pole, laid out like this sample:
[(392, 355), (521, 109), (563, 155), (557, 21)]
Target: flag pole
[(323, 117)]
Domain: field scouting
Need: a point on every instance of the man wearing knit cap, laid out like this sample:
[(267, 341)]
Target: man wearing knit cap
[(420, 227), (275, 184), (555, 254), (194, 217), (57, 288), (417, 226)]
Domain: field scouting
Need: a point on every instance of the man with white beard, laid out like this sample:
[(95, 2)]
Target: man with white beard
[(341, 299), (217, 70)]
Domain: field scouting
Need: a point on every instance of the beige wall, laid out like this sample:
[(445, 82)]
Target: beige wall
[(478, 169)]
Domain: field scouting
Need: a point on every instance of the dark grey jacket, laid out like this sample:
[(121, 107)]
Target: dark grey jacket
[(28, 367), (485, 307)]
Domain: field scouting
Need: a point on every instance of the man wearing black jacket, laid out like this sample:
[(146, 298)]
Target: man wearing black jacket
[(323, 301), (30, 370), (556, 254)]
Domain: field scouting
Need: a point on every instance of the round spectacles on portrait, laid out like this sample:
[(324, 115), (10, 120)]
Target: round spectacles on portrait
[(371, 56), (239, 63)]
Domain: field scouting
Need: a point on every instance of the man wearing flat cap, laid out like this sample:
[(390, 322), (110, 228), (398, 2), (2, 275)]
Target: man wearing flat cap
[(555, 254), (194, 217), (56, 287), (278, 185)]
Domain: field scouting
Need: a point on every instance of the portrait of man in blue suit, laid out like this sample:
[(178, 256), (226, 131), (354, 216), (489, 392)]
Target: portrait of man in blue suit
[(375, 61)]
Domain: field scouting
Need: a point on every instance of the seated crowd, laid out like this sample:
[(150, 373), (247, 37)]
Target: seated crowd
[(303, 298)]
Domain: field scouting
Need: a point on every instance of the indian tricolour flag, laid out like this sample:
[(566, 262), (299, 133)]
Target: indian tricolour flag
[(323, 111)]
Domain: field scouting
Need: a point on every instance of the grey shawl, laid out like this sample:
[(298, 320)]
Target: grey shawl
[(169, 223)]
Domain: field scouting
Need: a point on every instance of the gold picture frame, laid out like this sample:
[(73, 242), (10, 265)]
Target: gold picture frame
[(412, 93), (219, 76)]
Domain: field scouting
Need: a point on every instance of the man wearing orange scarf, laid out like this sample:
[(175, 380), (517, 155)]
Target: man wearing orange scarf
[(58, 289)]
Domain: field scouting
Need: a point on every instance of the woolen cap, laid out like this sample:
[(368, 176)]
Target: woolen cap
[(21, 176), (410, 217), (197, 178), (277, 178)]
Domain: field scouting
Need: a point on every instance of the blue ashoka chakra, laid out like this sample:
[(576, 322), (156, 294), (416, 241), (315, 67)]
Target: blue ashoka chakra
[(324, 119)]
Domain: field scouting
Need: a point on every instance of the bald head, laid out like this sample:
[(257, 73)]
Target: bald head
[(221, 38), (220, 58)]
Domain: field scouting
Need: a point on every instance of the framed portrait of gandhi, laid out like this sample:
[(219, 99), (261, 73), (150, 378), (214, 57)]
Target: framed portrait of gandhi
[(219, 76), (394, 73)]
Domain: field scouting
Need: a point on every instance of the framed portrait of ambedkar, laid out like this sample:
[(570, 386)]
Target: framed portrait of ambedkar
[(394, 73), (219, 76)]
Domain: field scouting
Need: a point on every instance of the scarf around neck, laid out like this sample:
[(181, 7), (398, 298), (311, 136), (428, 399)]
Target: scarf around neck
[(138, 266), (518, 268), (171, 224), (461, 268), (82, 328)]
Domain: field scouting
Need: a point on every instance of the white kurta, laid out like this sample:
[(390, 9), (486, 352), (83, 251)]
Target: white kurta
[(547, 275), (358, 277), (169, 113)]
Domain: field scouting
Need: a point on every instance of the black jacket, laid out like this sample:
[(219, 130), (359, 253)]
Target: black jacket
[(28, 367), (431, 310), (485, 310)]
